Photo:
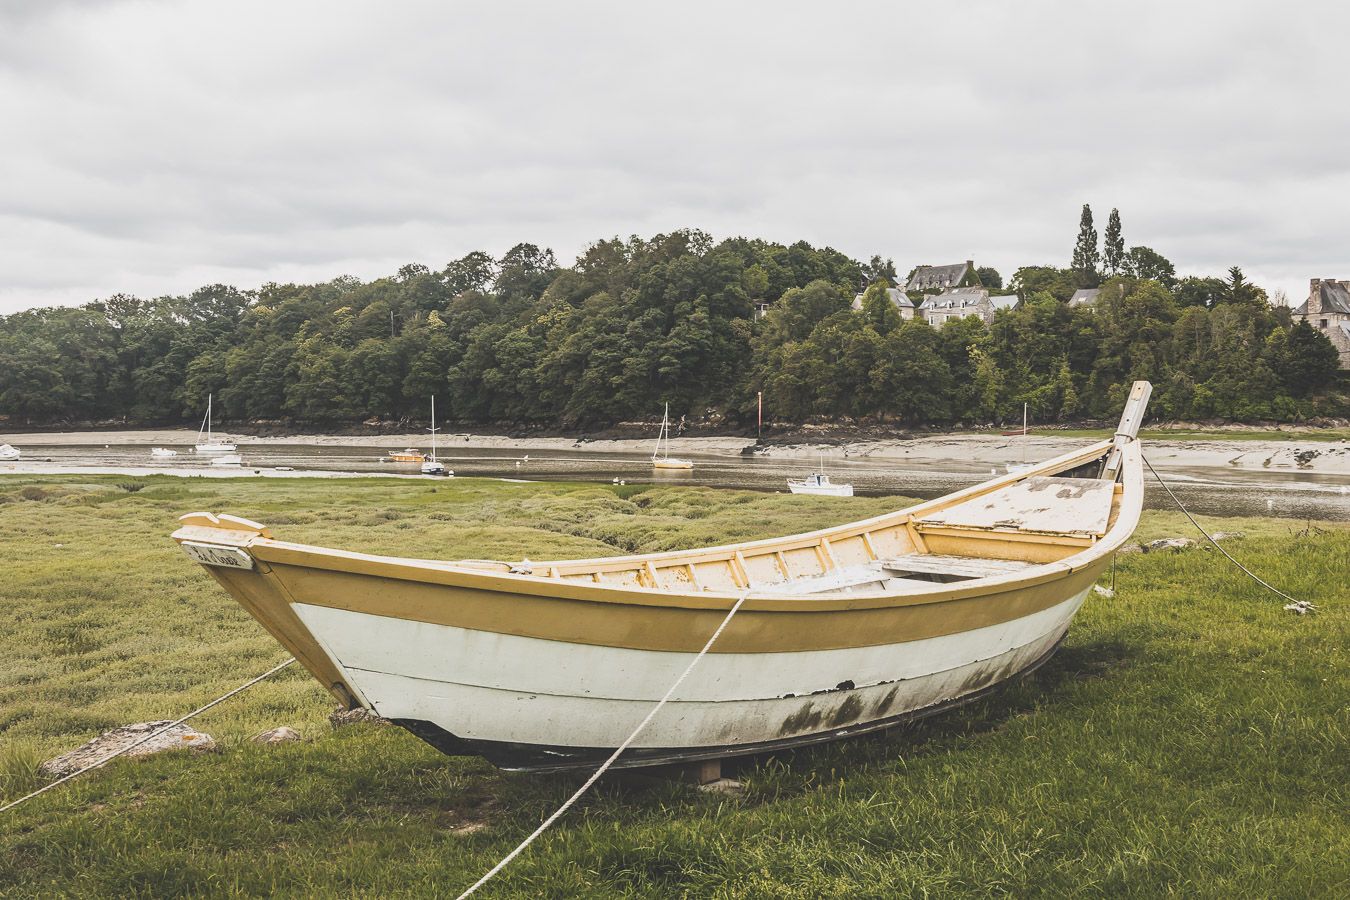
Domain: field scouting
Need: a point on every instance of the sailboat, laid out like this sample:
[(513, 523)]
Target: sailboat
[(819, 483), (546, 666), (661, 458), (206, 443), (431, 466), (1023, 466), (8, 453)]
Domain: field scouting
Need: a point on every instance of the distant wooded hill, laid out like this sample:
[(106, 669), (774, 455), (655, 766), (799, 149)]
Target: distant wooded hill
[(633, 324)]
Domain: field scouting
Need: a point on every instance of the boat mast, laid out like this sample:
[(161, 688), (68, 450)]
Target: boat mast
[(1024, 432), (663, 435), (433, 427)]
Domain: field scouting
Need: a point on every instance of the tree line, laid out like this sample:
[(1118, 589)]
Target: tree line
[(635, 323)]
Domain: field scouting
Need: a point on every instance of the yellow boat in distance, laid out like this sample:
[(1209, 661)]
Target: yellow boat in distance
[(548, 666), (410, 455)]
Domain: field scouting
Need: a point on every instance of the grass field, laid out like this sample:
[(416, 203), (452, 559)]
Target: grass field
[(1189, 738)]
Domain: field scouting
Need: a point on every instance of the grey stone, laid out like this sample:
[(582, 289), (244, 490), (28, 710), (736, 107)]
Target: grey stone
[(1176, 543), (179, 737)]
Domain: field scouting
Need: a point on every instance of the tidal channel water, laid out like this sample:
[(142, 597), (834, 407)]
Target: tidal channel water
[(1207, 490)]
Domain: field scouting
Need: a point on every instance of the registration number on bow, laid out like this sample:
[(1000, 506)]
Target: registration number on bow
[(216, 555)]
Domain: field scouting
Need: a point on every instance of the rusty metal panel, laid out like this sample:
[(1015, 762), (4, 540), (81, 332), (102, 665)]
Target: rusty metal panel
[(1041, 504)]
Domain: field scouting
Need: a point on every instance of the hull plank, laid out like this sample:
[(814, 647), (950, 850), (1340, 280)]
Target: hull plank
[(507, 689), (561, 758)]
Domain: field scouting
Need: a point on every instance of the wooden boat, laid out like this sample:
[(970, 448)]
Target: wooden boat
[(206, 441), (409, 455), (550, 665), (661, 458)]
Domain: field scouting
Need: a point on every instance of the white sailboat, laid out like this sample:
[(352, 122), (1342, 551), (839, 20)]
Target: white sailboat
[(819, 483), (431, 466), (206, 442), (1023, 466), (661, 458), (8, 453)]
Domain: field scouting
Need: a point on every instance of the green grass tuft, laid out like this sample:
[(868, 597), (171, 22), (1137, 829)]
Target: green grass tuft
[(1189, 738)]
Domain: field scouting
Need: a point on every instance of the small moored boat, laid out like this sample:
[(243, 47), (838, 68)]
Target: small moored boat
[(550, 665), (208, 442), (162, 452), (433, 466), (819, 483), (661, 458), (227, 459), (409, 455), (8, 453)]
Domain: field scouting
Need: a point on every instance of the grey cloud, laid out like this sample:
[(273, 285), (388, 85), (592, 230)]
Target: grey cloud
[(158, 145)]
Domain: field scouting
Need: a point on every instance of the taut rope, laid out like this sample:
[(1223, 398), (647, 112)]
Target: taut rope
[(612, 757)]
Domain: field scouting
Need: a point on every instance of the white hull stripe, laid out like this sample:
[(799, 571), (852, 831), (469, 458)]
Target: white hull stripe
[(426, 652), (553, 721)]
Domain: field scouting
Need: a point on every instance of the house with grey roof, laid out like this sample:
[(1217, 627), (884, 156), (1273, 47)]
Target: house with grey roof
[(1328, 310), (935, 279), (961, 302), (1084, 297), (903, 304)]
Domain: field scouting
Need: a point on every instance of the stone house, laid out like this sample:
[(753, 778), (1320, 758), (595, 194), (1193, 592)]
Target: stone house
[(1328, 310), (1084, 296), (903, 304), (962, 302), (935, 279)]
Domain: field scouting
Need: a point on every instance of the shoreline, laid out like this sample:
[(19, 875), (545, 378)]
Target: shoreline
[(1320, 457)]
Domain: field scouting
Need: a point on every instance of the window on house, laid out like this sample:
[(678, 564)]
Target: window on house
[(1322, 324)]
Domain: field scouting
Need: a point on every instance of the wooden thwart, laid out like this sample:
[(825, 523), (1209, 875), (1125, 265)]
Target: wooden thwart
[(959, 566)]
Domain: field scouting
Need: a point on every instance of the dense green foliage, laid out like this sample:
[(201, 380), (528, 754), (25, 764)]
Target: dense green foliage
[(633, 324), (1188, 739)]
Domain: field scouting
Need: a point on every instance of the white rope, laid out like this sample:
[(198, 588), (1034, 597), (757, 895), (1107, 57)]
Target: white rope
[(612, 757), (1216, 544), (156, 733)]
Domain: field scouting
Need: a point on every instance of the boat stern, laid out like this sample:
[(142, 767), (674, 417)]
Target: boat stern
[(222, 546)]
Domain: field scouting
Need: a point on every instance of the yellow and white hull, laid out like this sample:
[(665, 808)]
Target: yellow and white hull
[(551, 665)]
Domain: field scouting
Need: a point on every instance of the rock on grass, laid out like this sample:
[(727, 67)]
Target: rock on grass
[(107, 744)]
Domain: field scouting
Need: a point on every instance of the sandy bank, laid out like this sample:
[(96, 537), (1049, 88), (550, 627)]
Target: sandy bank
[(1320, 457)]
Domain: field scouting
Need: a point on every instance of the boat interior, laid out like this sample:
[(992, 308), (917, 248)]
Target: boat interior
[(1002, 527)]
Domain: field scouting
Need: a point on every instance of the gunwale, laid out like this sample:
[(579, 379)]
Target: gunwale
[(489, 576), (666, 619)]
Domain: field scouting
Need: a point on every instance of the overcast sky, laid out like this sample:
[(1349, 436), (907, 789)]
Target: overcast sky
[(152, 147)]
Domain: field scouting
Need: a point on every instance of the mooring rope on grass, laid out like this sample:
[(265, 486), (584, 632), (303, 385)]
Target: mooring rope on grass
[(1303, 604), (156, 733), (558, 813)]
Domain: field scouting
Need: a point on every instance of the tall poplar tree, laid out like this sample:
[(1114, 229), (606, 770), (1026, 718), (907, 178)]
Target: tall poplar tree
[(1113, 244), (1085, 254)]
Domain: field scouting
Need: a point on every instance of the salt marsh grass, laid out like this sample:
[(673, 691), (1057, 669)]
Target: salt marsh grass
[(1189, 738)]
